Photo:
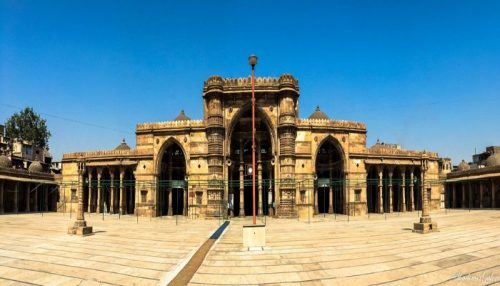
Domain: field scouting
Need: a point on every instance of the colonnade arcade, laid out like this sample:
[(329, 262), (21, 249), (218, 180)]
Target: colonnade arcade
[(24, 197), (478, 193), (109, 189), (393, 188)]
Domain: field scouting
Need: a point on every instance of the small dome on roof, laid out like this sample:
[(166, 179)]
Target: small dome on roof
[(318, 114), (182, 116), (35, 166), (122, 146), (493, 160), (463, 166), (5, 162)]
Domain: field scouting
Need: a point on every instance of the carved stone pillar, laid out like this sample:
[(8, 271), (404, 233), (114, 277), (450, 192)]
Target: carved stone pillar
[(463, 195), (170, 211), (403, 190), (16, 191), (122, 191), (480, 194), (390, 189), (27, 208), (99, 191), (381, 202), (316, 204), (259, 178), (80, 226), (412, 196), (242, 181), (454, 200), (113, 189), (330, 189), (493, 194), (46, 198), (90, 198), (2, 182)]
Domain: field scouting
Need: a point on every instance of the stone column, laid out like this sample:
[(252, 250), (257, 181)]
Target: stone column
[(185, 197), (46, 198), (403, 190), (411, 203), (90, 198), (380, 170), (80, 226), (35, 205), (122, 191), (169, 190), (242, 183), (27, 199), (454, 202), (99, 191), (259, 178), (316, 204), (16, 191), (330, 175), (390, 189), (480, 194), (463, 195), (471, 202), (112, 188), (1, 196), (493, 191)]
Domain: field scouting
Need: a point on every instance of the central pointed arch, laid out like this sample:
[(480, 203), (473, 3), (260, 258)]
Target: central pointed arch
[(239, 151)]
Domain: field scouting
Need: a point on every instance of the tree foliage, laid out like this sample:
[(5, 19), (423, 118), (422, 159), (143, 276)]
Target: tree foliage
[(28, 125)]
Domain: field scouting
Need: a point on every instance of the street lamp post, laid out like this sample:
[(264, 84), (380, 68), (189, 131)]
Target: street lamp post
[(252, 60), (80, 225)]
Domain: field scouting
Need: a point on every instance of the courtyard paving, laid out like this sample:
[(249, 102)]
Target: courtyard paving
[(36, 250), (363, 251)]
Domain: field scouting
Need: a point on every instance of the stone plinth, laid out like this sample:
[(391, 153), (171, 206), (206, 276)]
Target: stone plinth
[(80, 228), (425, 225), (254, 236), (305, 211)]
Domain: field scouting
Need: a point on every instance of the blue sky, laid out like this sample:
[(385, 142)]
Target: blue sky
[(424, 74)]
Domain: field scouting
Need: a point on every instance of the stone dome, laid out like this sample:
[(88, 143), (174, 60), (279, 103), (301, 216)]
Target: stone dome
[(35, 166), (493, 160), (182, 116), (123, 146), (5, 162), (463, 166), (318, 114)]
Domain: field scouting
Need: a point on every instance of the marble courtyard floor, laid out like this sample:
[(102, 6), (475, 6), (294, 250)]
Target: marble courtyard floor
[(36, 250)]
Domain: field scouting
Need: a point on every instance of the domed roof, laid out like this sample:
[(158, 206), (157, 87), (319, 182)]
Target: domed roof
[(122, 146), (463, 166), (182, 116), (5, 162), (493, 160), (318, 114), (35, 166)]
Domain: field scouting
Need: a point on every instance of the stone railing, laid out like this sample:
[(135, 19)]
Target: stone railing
[(399, 152), (332, 123), (170, 124), (22, 173), (246, 82), (105, 153)]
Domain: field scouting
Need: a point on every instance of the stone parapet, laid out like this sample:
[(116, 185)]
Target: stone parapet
[(169, 124), (329, 123), (245, 83)]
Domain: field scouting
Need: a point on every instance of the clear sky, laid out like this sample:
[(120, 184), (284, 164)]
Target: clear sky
[(424, 74)]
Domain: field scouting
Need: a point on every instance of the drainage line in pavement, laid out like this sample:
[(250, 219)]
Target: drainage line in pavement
[(185, 275)]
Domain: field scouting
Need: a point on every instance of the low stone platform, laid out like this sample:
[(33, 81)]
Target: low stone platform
[(362, 251), (36, 250)]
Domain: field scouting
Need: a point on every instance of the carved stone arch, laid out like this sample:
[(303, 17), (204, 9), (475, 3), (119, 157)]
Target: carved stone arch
[(339, 148), (258, 112), (159, 156)]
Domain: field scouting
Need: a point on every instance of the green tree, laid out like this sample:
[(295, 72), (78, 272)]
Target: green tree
[(28, 125)]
